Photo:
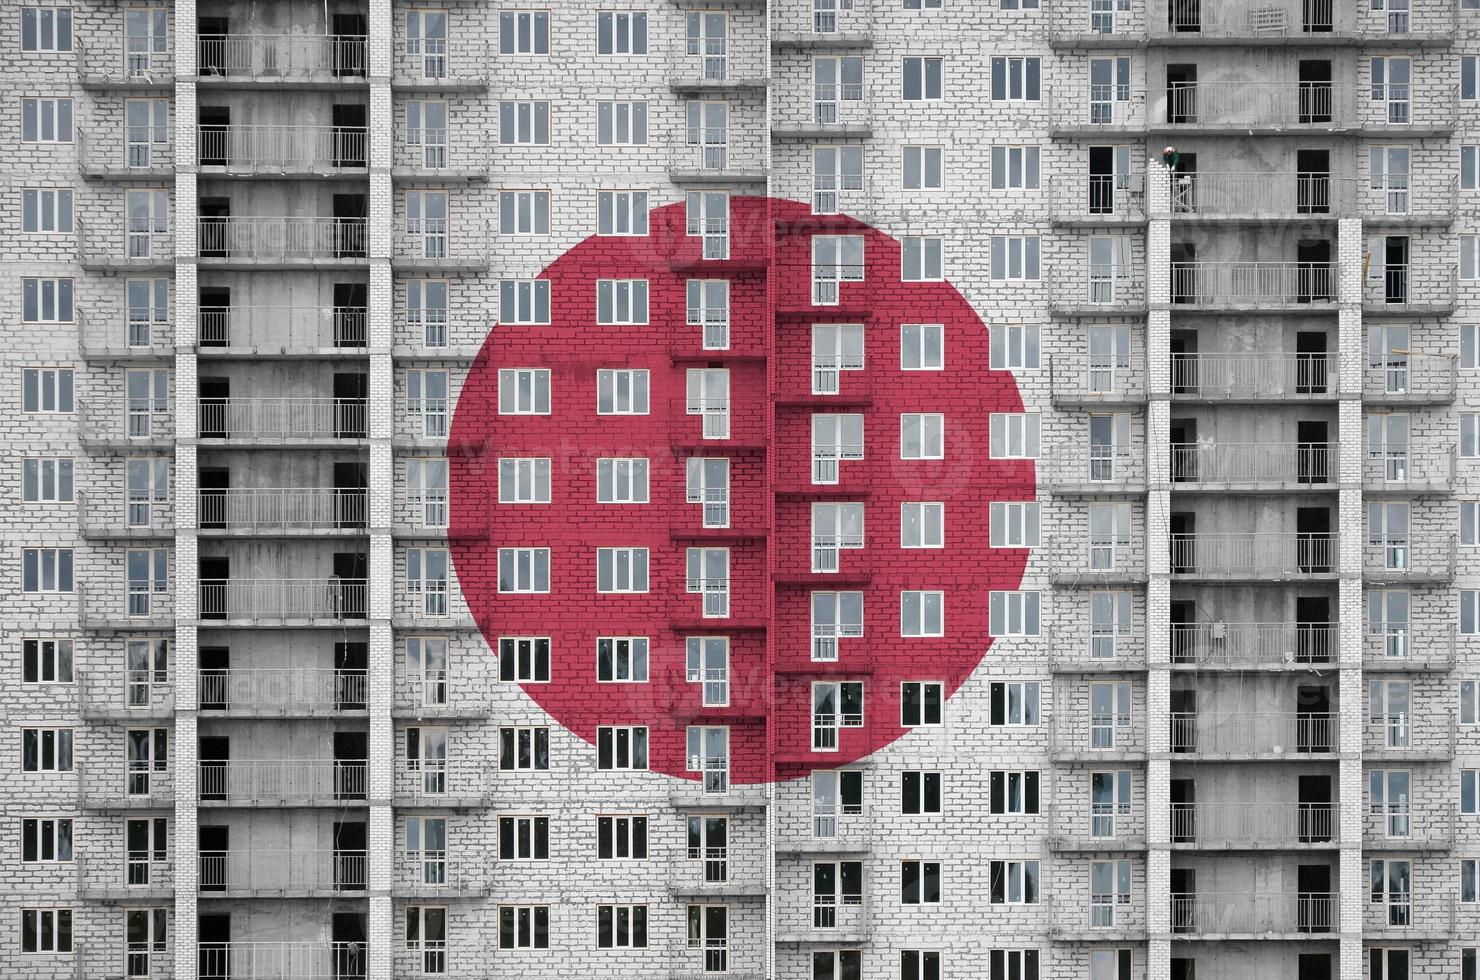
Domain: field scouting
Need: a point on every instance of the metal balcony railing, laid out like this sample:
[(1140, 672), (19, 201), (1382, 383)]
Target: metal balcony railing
[(1252, 19), (1220, 644), (839, 824), (1107, 647), (281, 419), (124, 785), (145, 242), (1259, 284), (441, 150), (1090, 107), (130, 604), (272, 509), (710, 62), (271, 239), (437, 781), (1409, 556), (1412, 914), (1094, 467), (718, 156), (1090, 378), (282, 598), (107, 151), (285, 329), (431, 61), (1411, 378), (1400, 287), (1086, 557), (133, 60), (1110, 289), (1253, 104), (1429, 733), (283, 690), (1098, 197), (144, 693), (1401, 826), (118, 873), (267, 872), (1253, 555), (1400, 466), (1098, 825), (1253, 732), (1265, 823), (433, 241), (1085, 733), (1254, 376), (124, 332), (1252, 463), (444, 692), (1399, 646), (282, 57), (1399, 196), (282, 148), (1256, 913), (121, 515), (715, 870), (1238, 195), (312, 960), (261, 782)]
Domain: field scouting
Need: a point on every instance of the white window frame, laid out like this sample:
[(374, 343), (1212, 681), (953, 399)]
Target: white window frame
[(523, 659), (1015, 435), (929, 608), (523, 121), (524, 480), (1016, 258), (48, 479), (52, 121), (46, 211), (622, 480), (623, 33), (915, 524), (622, 122), (59, 293), (627, 387), (914, 347), (46, 29), (43, 835), (1014, 524), (60, 579), (922, 258), (621, 213), (628, 659), (524, 302), (530, 567), (928, 167), (621, 302), (1014, 613), (50, 659), (929, 74), (1015, 347), (524, 33), (625, 571), (637, 745), (514, 399), (932, 435), (524, 213), (1015, 167)]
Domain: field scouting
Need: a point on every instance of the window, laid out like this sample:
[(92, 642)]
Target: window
[(1014, 882), (708, 133), (1469, 167), (1469, 956), (525, 659), (524, 32), (146, 125), (523, 480), (922, 613), (836, 794), (1110, 799), (427, 397), (1109, 889), (837, 964), (426, 310), (1014, 524), (1109, 964), (1017, 964), (707, 217), (46, 750), (147, 572), (707, 574), (148, 303), (622, 659), (1014, 435), (836, 347), (148, 400), (46, 569), (622, 481), (147, 664), (621, 123), (836, 81), (46, 212), (621, 570), (146, 751), (46, 930), (922, 525), (920, 792), (524, 927), (426, 136), (707, 483), (835, 527), (923, 4), (621, 32), (524, 569), (46, 661), (621, 301), (1469, 791), (1013, 613), (524, 391), (923, 168), (426, 849), (524, 212), (524, 301), (621, 927), (622, 838), (1389, 799), (524, 123), (922, 347), (834, 883), (1015, 347), (46, 839), (46, 120), (426, 935), (1469, 881), (622, 747), (46, 29), (707, 395), (620, 392), (919, 882), (426, 490), (1467, 76), (924, 79), (835, 705), (920, 703), (46, 480), (47, 301), (921, 258), (834, 438), (834, 615), (1014, 258), (1469, 347), (621, 212), (1015, 79), (523, 838), (835, 259), (1015, 168), (1469, 612), (1469, 702), (707, 751), (1013, 792), (922, 436), (524, 749), (427, 576), (1014, 703)]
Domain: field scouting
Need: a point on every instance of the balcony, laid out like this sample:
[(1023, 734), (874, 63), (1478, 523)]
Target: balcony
[(697, 66), (1096, 918), (282, 601), (828, 829), (1401, 290), (282, 421), (1254, 377), (103, 153), (297, 692), (289, 512), (1098, 199), (439, 873), (119, 875), (112, 787), (828, 919), (1087, 468), (823, 26), (1251, 466), (836, 112), (441, 155), (1256, 915), (1411, 379), (1078, 735), (243, 873), (282, 59), (281, 242), (1412, 917), (442, 693), (117, 335), (1098, 292), (115, 516), (717, 872), (1397, 647), (1085, 560), (1098, 379), (1239, 646), (1252, 21), (258, 331), (119, 247), (1403, 827), (440, 783), (300, 151), (1260, 196), (313, 960), (1097, 827), (715, 159), (134, 63), (1253, 734), (1246, 107), (1428, 736), (1085, 649), (125, 694), (1399, 201), (121, 608), (1096, 110), (438, 244), (1408, 558), (1077, 25), (438, 65), (283, 782), (1261, 825), (1254, 556), (1405, 468), (1218, 287)]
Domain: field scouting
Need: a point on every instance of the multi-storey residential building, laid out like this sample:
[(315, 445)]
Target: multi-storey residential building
[(822, 490)]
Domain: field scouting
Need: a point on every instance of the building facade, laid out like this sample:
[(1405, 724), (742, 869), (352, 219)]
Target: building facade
[(823, 490)]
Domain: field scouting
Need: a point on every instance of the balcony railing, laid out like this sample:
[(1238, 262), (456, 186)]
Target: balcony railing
[(1091, 378), (720, 157), (1089, 734), (1098, 197), (1094, 467), (1409, 557), (121, 693), (131, 61), (441, 693), (1252, 463), (104, 151), (1079, 557), (268, 510), (281, 419), (265, 782), (1266, 823), (271, 239), (1120, 288), (313, 960), (145, 244), (284, 691), (1253, 555), (1228, 913), (1257, 284), (1400, 288), (1429, 734), (1253, 733), (1411, 378), (268, 872), (123, 606), (283, 148), (1219, 644), (431, 62), (116, 873), (1251, 19), (1397, 646), (1236, 377), (1419, 914), (282, 57), (440, 241), (1100, 106), (1402, 826), (1405, 466), (283, 598), (441, 150), (1098, 648), (282, 329), (1279, 193), (118, 515), (717, 871), (1252, 104)]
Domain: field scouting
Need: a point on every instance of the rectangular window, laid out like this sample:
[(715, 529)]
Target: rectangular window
[(1469, 76), (524, 212), (426, 491), (1469, 435), (46, 840), (1014, 613), (524, 569), (46, 569), (836, 348), (524, 927), (1014, 258), (1013, 792), (524, 749), (524, 123), (1014, 524), (621, 392), (921, 703), (45, 211), (524, 32), (621, 301), (1468, 884), (1014, 435), (524, 301), (523, 838), (1469, 702), (922, 436), (426, 935), (621, 32), (46, 930), (1469, 167), (45, 480), (922, 525), (1015, 79), (834, 438), (46, 750), (1469, 257), (622, 747), (622, 659), (922, 347), (1014, 703), (46, 301), (621, 570), (46, 120), (46, 29), (426, 310), (524, 659), (834, 615), (922, 613), (1022, 964), (1469, 791), (621, 123), (1469, 347), (921, 258), (621, 212), (1015, 347), (146, 127), (622, 838), (621, 927), (1014, 168), (1469, 956), (1109, 890), (622, 481), (46, 661), (920, 792), (524, 391), (919, 882), (523, 480), (923, 168), (1014, 882), (924, 79)]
